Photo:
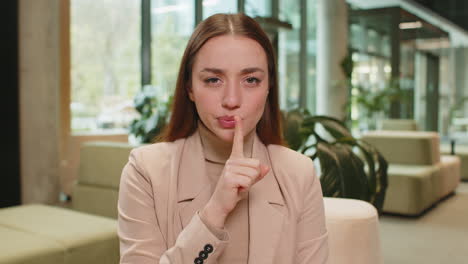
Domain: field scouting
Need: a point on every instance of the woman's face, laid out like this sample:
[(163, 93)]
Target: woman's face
[(230, 77)]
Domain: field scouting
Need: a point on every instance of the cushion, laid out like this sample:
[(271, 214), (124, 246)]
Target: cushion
[(411, 189), (450, 166), (84, 238), (462, 152), (406, 147), (101, 163), (19, 247), (95, 200), (353, 232), (399, 124)]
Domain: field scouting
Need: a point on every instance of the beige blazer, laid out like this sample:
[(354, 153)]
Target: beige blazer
[(159, 200)]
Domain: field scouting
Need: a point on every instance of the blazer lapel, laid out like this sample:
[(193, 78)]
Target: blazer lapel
[(194, 188), (265, 221)]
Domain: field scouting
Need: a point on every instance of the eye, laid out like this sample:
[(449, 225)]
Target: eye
[(252, 80), (212, 80)]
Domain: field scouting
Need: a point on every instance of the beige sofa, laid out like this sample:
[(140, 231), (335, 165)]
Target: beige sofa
[(418, 175), (461, 151), (399, 125), (37, 234), (87, 234)]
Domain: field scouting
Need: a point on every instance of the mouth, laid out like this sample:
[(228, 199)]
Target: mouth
[(227, 122)]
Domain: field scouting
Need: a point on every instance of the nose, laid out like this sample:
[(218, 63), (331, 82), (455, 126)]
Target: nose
[(232, 96)]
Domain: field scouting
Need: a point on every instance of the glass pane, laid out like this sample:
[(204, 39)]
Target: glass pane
[(105, 63), (256, 8), (372, 41), (356, 37), (211, 7), (370, 77), (172, 22), (288, 55), (311, 55)]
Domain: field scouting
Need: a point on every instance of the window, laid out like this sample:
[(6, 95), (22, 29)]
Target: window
[(172, 23), (255, 8), (311, 55), (211, 7), (106, 46), (105, 63), (288, 55)]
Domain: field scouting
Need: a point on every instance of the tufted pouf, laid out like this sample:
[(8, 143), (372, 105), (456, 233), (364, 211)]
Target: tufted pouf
[(353, 232)]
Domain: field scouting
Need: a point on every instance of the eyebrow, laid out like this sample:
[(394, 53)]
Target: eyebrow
[(243, 71)]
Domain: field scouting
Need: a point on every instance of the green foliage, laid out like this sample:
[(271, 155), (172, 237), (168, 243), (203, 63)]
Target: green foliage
[(154, 115), (373, 102), (350, 168)]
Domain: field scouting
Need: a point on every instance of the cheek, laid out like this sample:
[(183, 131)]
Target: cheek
[(258, 106), (204, 101)]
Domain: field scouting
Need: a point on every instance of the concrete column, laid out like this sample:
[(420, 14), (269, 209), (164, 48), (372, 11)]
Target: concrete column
[(420, 82), (332, 47), (461, 75), (39, 63)]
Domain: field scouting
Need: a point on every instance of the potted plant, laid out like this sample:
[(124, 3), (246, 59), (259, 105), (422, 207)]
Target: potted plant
[(350, 168), (154, 115)]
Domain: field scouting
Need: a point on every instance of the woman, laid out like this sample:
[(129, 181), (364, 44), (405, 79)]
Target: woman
[(220, 187)]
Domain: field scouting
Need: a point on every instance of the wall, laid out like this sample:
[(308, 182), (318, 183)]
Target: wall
[(49, 153), (39, 70)]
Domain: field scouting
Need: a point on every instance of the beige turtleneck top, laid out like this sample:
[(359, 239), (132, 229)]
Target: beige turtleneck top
[(216, 153)]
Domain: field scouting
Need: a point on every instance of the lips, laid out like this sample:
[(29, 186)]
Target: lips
[(227, 122)]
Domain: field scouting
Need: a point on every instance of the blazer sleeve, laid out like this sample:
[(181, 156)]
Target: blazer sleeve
[(140, 234), (312, 237)]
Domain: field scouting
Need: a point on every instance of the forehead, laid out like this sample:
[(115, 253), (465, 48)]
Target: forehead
[(231, 51)]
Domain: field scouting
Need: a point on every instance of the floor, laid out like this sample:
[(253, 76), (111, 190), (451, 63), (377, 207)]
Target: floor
[(438, 236)]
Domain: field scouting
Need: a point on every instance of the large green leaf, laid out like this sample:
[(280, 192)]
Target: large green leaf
[(335, 127), (350, 168), (293, 130)]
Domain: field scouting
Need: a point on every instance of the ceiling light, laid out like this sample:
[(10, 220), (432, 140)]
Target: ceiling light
[(410, 25)]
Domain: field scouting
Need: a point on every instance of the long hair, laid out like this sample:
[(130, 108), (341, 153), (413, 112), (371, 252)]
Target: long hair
[(184, 116)]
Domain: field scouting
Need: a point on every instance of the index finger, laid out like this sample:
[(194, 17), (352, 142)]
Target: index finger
[(238, 140)]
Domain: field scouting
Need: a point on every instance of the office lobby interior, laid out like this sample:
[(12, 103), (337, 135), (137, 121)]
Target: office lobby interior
[(375, 92)]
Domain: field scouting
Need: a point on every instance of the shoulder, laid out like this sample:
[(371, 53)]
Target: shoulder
[(294, 170), (160, 149), (288, 158), (153, 156)]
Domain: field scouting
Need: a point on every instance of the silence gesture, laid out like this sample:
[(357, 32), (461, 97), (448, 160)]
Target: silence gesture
[(239, 174)]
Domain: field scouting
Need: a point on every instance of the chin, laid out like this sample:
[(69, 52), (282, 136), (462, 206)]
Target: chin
[(225, 134)]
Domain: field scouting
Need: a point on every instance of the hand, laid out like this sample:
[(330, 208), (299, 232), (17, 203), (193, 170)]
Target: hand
[(238, 176)]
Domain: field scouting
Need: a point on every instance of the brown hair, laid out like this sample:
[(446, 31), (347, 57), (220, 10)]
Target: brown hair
[(184, 116)]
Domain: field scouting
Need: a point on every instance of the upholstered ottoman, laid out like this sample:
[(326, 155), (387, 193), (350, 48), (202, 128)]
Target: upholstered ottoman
[(413, 188), (461, 151), (451, 169), (418, 176), (47, 234), (353, 232)]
